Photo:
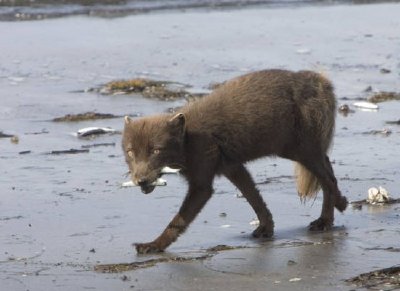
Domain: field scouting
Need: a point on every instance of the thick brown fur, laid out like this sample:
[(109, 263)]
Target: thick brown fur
[(266, 113)]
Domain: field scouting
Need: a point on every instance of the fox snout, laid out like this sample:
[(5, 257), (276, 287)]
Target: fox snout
[(145, 179)]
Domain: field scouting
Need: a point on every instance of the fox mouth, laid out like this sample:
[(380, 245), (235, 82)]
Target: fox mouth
[(147, 188)]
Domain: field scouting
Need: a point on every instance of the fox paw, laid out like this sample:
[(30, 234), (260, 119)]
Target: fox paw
[(320, 224), (341, 203), (263, 231), (147, 248)]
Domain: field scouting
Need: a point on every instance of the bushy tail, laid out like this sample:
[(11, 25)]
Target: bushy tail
[(307, 184)]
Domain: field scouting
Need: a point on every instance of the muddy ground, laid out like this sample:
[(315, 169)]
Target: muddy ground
[(65, 222)]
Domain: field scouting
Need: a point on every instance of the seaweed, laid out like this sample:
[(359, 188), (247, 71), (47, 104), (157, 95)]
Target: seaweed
[(387, 278), (384, 96), (160, 90), (84, 116)]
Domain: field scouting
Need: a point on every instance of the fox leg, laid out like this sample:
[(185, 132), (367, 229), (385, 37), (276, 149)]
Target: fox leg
[(195, 200), (321, 167), (242, 179)]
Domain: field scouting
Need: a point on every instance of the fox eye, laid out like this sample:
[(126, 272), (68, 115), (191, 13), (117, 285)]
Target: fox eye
[(130, 153), (156, 151)]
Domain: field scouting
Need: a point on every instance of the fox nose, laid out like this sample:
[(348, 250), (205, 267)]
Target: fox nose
[(142, 182)]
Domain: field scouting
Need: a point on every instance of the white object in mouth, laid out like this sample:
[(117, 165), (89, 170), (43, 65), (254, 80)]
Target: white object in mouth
[(158, 182)]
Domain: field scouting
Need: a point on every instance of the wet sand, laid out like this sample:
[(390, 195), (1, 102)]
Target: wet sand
[(63, 215)]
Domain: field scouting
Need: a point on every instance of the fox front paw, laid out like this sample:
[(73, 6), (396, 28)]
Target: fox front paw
[(148, 248), (263, 231)]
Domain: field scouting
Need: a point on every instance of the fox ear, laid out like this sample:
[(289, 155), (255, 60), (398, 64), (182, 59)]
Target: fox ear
[(177, 123), (128, 119)]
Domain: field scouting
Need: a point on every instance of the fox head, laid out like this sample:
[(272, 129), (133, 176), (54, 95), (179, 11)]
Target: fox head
[(152, 143)]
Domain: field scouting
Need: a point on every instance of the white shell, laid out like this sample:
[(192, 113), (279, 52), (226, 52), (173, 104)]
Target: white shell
[(366, 105), (376, 195)]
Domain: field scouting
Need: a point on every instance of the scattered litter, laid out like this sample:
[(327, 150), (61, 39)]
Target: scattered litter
[(255, 221), (396, 122), (384, 132), (5, 135), (219, 248), (162, 90), (383, 279), (70, 151), (225, 226), (43, 131), (106, 144), (24, 152), (295, 280), (223, 214), (378, 195), (14, 139), (158, 182), (84, 116), (385, 71), (91, 131), (384, 96), (345, 109), (291, 263), (366, 105)]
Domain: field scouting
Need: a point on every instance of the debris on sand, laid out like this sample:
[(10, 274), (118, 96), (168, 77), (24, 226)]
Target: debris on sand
[(383, 279), (345, 109), (161, 90), (384, 132), (384, 96), (124, 267), (95, 145), (366, 105), (396, 122), (5, 135), (68, 152), (376, 196), (13, 138), (93, 131), (90, 115), (220, 248)]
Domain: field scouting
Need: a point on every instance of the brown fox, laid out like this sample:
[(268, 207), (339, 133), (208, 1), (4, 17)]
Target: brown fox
[(265, 113)]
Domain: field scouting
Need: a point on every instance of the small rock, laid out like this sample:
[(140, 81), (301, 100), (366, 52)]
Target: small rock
[(385, 71)]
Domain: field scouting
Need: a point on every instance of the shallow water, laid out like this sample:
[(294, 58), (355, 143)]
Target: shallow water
[(60, 215)]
